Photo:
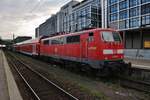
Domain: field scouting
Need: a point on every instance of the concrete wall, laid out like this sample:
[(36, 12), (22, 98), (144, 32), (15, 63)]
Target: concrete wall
[(49, 26), (136, 40), (128, 40), (133, 40), (137, 53)]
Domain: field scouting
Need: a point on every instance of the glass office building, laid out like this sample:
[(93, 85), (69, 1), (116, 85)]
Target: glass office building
[(132, 17), (86, 14)]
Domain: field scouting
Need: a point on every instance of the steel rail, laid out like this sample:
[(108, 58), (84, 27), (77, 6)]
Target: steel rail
[(135, 84), (32, 90), (27, 66)]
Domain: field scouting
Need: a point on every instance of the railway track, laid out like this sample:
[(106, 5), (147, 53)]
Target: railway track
[(135, 84), (40, 86)]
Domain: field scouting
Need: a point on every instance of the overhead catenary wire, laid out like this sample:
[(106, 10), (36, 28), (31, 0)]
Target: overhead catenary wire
[(36, 6)]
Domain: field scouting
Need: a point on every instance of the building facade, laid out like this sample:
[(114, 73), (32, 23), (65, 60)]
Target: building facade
[(86, 14), (59, 21), (48, 27), (132, 18), (66, 11), (73, 16)]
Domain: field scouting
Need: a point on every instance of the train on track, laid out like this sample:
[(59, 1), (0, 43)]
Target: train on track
[(98, 49)]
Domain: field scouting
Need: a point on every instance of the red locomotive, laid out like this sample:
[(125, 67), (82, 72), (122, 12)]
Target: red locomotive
[(102, 49)]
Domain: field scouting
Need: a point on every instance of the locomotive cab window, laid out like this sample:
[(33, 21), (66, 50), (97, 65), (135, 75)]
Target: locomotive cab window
[(111, 37), (46, 42), (91, 37), (117, 37), (73, 39)]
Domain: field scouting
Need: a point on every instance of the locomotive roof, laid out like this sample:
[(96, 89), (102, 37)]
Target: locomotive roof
[(77, 33), (36, 40)]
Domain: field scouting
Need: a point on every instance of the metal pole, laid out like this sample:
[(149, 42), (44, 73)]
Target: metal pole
[(141, 35)]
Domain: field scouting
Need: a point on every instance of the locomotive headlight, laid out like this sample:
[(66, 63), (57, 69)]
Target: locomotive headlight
[(121, 57), (120, 51), (107, 51), (106, 58)]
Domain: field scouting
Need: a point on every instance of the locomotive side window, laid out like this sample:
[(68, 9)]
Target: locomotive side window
[(111, 37), (55, 41), (46, 42), (61, 40), (58, 41), (73, 39), (91, 37)]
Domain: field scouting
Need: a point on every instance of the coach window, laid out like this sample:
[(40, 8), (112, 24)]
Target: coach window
[(73, 39), (91, 37), (46, 42)]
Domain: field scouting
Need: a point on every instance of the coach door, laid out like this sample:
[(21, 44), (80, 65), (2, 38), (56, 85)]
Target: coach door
[(84, 46)]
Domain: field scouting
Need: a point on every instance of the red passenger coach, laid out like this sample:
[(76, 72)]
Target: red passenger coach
[(29, 47), (99, 48)]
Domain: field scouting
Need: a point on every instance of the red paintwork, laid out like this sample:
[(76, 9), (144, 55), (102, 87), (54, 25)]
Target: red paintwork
[(31, 47), (89, 50), (84, 49)]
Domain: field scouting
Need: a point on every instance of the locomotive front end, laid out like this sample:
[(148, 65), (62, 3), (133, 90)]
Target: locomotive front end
[(113, 52)]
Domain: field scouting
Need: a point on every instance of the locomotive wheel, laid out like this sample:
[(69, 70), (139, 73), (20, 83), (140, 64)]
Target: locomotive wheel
[(103, 72), (87, 69)]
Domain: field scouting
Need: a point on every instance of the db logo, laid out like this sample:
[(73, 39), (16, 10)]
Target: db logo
[(115, 51), (56, 50)]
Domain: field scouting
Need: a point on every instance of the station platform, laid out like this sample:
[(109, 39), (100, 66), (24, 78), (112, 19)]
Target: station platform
[(8, 86), (139, 63)]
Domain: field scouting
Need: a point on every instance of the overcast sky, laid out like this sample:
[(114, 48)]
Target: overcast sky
[(21, 17)]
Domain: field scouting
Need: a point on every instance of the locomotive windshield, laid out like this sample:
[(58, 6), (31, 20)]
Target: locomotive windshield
[(111, 37)]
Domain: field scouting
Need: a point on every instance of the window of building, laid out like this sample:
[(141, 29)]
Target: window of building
[(112, 1), (133, 3), (113, 17), (113, 8), (122, 24), (123, 5), (146, 20), (73, 17), (94, 23), (73, 39), (46, 42), (113, 25), (145, 1), (95, 2), (87, 10), (94, 16), (134, 22), (94, 10), (123, 14), (134, 12), (145, 9)]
